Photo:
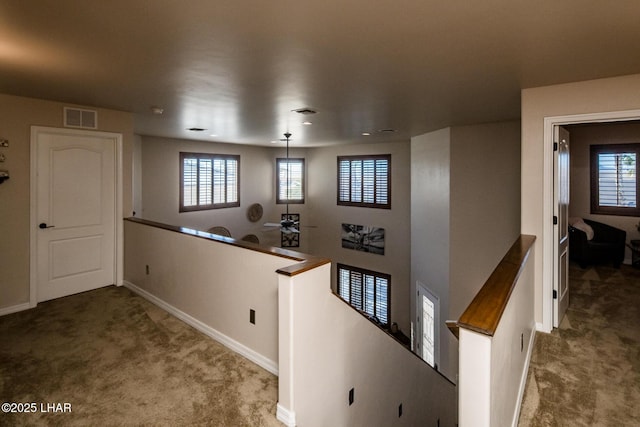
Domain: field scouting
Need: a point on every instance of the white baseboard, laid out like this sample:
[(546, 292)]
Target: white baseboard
[(285, 416), (223, 339), (523, 379), (15, 308), (540, 328)]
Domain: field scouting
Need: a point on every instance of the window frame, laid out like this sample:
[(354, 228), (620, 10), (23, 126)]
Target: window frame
[(282, 201), (376, 275), (594, 152), (362, 158), (212, 205)]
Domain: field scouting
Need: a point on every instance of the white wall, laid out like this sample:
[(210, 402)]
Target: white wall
[(336, 349), (465, 214), (160, 188), (585, 99), (493, 370), (327, 216), (582, 137), (160, 192), (214, 283), (18, 115), (430, 229)]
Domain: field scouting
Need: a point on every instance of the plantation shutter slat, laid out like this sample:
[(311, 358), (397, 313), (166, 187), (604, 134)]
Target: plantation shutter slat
[(613, 175), (368, 181), (356, 181), (209, 181), (382, 181), (232, 179), (369, 300), (617, 179), (190, 186), (344, 284), (204, 182), (356, 290), (382, 299), (344, 179), (364, 181), (365, 290)]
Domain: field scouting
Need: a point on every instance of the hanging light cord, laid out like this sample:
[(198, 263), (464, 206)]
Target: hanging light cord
[(288, 135)]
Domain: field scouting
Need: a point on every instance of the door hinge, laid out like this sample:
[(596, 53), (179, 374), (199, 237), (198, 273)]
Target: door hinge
[(555, 294), (555, 146), (555, 220)]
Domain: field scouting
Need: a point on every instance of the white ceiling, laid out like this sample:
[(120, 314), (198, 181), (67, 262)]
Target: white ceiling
[(238, 67)]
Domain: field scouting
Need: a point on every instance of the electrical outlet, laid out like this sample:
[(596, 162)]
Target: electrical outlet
[(252, 316)]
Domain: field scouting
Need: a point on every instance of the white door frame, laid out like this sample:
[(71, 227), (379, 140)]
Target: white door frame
[(549, 246), (33, 222)]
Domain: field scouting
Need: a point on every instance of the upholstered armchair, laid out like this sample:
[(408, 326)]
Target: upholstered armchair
[(592, 242)]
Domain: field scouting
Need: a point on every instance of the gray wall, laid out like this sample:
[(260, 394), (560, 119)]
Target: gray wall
[(430, 226), (328, 217), (465, 214)]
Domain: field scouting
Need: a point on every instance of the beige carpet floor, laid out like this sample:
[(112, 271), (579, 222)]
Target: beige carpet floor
[(119, 360), (587, 372)]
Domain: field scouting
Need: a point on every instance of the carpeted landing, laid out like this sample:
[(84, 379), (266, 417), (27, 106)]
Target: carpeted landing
[(120, 360), (587, 372)]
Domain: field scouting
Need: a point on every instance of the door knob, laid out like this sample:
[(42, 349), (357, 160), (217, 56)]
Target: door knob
[(44, 225)]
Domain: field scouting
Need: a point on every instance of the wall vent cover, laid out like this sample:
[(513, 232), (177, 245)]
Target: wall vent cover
[(80, 118)]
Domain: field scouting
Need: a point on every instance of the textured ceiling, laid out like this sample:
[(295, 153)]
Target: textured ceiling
[(238, 68)]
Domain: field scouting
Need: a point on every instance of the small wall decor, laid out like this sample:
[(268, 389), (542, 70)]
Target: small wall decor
[(362, 238), (254, 213), (291, 239)]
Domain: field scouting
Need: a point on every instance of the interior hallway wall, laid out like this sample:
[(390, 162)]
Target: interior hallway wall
[(18, 115)]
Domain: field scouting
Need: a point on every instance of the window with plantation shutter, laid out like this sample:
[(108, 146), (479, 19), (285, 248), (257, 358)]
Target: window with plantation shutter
[(614, 183), (290, 180), (365, 181), (209, 181), (366, 290)]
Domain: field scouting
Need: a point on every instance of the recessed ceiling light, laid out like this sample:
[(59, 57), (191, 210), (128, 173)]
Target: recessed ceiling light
[(386, 130), (307, 123), (196, 129), (366, 133), (213, 135), (157, 110), (274, 142)]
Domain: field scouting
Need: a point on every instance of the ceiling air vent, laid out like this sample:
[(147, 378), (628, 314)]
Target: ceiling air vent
[(305, 111), (80, 118)]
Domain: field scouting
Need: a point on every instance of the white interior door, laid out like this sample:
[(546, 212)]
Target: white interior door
[(75, 212), (428, 314), (561, 229)]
